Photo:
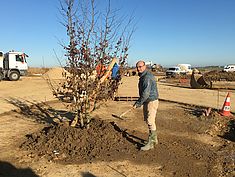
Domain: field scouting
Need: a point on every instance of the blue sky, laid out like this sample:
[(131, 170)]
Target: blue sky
[(199, 32)]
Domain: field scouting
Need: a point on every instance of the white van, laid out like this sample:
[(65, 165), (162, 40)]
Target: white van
[(229, 68), (185, 67)]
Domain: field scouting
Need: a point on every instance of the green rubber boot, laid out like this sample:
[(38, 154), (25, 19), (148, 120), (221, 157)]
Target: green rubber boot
[(152, 140)]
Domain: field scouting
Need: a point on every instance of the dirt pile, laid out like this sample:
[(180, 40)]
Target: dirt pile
[(229, 131), (55, 73), (175, 155), (219, 75), (223, 127), (102, 141), (215, 124), (55, 77)]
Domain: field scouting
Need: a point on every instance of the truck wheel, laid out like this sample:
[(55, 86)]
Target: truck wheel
[(14, 76), (1, 76)]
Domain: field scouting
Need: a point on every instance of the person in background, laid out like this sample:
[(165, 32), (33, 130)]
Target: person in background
[(148, 97), (115, 71), (100, 70)]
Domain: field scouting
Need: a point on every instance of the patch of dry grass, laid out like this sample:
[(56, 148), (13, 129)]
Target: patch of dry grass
[(35, 70)]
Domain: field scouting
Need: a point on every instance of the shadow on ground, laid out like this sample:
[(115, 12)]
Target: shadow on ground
[(87, 174), (40, 112), (200, 111), (8, 170), (230, 132)]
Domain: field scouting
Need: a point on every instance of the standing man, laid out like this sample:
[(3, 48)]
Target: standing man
[(148, 97)]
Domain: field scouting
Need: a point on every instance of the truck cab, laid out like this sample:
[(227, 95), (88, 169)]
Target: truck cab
[(13, 65), (1, 59)]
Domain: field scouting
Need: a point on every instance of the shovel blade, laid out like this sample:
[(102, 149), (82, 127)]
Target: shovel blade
[(116, 116)]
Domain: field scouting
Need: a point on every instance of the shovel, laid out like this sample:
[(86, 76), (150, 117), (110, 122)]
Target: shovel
[(124, 113)]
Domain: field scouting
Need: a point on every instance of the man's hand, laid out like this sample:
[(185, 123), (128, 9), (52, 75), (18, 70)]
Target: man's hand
[(136, 105)]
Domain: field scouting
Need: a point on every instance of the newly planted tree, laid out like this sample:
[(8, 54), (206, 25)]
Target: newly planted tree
[(98, 42)]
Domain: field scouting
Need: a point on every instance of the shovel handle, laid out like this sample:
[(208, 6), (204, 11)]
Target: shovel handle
[(126, 112)]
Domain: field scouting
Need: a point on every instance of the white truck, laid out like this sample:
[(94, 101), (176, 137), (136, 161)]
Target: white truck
[(13, 65)]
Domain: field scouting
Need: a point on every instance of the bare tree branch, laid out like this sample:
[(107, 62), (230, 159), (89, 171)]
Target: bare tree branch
[(97, 42)]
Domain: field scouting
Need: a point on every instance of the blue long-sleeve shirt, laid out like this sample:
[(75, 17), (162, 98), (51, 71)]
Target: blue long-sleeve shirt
[(147, 88)]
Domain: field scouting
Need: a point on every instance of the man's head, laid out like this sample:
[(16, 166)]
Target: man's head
[(140, 66)]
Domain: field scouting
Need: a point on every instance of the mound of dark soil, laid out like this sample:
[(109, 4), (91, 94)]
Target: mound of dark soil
[(216, 75), (177, 154), (229, 131), (102, 141)]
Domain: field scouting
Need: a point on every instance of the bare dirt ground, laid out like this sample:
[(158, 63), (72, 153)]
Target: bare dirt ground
[(35, 139)]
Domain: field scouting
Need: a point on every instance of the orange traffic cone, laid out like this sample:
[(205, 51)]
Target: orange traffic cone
[(226, 107)]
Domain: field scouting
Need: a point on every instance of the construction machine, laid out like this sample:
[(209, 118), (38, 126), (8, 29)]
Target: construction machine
[(13, 65), (206, 80)]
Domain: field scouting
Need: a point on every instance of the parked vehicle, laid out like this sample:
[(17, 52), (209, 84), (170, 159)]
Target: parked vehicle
[(229, 68), (185, 67), (13, 65), (175, 71)]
